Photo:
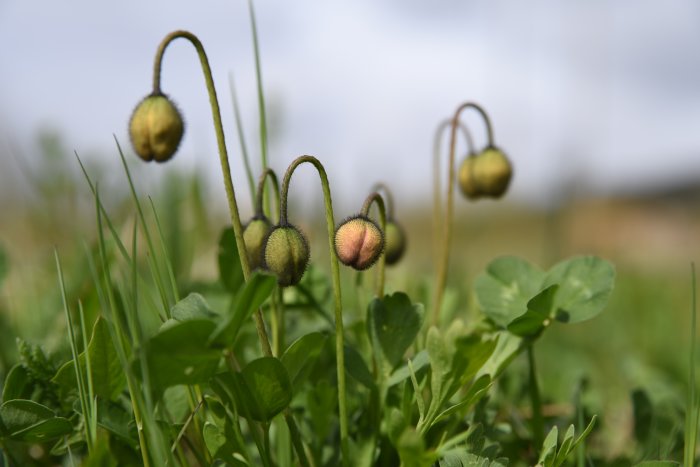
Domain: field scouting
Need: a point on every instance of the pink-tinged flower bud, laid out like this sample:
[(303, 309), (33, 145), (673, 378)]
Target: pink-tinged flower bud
[(286, 254), (254, 235), (358, 242), (156, 128)]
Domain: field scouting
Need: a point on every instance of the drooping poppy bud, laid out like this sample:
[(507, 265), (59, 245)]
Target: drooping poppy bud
[(156, 128), (493, 172), (395, 241), (467, 178), (286, 254), (358, 242), (254, 235)]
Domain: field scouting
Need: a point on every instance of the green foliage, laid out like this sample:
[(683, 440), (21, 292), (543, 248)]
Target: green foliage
[(248, 300), (108, 379), (525, 300), (553, 456), (179, 354), (393, 323), (29, 421), (260, 391), (230, 272)]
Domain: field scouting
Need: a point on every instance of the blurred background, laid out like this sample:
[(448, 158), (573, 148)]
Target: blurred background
[(596, 103)]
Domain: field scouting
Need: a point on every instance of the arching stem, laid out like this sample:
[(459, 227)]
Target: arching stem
[(335, 272), (268, 174), (444, 248), (437, 184), (376, 198), (223, 157), (381, 187), (230, 193)]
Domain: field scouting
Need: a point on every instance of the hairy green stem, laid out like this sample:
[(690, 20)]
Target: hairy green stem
[(376, 198), (441, 276), (223, 157), (335, 271)]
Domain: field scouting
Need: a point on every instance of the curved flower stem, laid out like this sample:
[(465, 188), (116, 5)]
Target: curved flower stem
[(377, 199), (388, 198), (441, 276), (268, 173), (223, 156), (335, 271), (437, 185)]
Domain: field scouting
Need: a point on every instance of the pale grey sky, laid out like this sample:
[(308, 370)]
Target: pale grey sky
[(606, 93)]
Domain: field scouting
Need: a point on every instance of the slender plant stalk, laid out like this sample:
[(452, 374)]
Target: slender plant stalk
[(335, 271), (226, 171), (376, 198), (691, 417), (268, 174), (223, 157), (535, 399), (437, 184), (441, 275)]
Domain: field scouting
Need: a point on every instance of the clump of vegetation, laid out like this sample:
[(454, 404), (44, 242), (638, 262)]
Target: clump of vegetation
[(166, 371)]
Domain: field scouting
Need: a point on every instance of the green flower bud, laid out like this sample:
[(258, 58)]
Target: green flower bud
[(493, 172), (156, 128), (286, 254), (358, 242), (254, 235), (466, 177), (395, 242)]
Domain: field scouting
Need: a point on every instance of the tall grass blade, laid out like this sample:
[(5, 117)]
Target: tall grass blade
[(83, 396), (152, 257), (261, 95), (241, 137), (164, 252)]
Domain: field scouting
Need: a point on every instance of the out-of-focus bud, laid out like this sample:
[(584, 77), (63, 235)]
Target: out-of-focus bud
[(254, 235), (156, 128)]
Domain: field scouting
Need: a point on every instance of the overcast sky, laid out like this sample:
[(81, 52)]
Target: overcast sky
[(603, 93)]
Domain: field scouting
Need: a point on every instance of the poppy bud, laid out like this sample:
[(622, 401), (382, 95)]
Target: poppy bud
[(358, 242), (493, 172), (466, 177), (286, 254), (395, 242), (156, 128), (254, 235)]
